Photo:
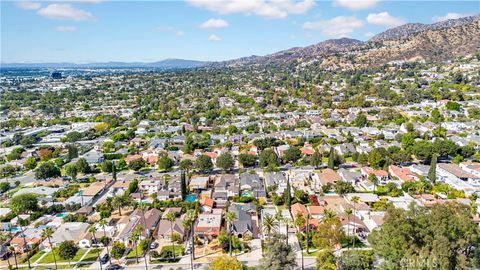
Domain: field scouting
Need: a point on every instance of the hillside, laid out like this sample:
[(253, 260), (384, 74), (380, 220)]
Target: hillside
[(430, 42)]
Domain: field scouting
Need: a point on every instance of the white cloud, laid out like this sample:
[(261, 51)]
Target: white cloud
[(64, 12), (179, 33), (214, 38), (274, 9), (355, 4), (449, 16), (28, 5), (214, 23), (65, 29), (340, 26), (384, 19)]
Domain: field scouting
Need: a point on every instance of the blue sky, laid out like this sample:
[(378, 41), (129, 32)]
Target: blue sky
[(96, 31)]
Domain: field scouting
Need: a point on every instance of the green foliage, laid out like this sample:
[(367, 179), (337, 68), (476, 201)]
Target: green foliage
[(268, 158), (361, 120), (71, 170), (291, 155), (204, 163), (137, 164), (30, 163), (356, 260), (164, 162), (279, 255), (82, 166), (445, 235), (247, 160), (342, 188), (225, 161), (4, 186), (47, 170), (118, 249), (67, 250)]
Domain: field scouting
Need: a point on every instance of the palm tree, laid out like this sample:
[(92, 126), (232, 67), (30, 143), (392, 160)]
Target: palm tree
[(308, 231), (270, 223), (188, 221), (103, 223), (47, 233), (171, 217), (143, 207), (20, 222), (92, 230), (328, 214), (12, 249), (134, 238), (355, 200), (119, 202), (231, 216), (3, 239)]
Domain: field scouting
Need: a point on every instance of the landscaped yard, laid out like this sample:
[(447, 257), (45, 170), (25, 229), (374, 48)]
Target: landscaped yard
[(35, 257), (91, 256), (132, 254), (49, 257)]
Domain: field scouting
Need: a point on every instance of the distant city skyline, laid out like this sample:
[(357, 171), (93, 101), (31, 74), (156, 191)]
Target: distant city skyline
[(90, 31)]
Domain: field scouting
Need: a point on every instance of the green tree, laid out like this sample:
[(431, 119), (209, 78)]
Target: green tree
[(326, 260), (356, 260), (47, 170), (291, 155), (183, 184), (204, 163), (225, 262), (24, 203), (247, 160), (4, 186), (67, 250), (288, 195), (444, 234), (279, 255), (82, 166), (436, 116), (171, 217), (186, 165), (342, 187), (230, 217), (119, 202), (164, 162), (361, 120), (269, 225), (118, 249), (30, 163), (225, 161), (331, 158), (137, 164), (137, 232), (71, 170), (432, 172), (107, 166), (375, 159), (316, 159), (268, 158)]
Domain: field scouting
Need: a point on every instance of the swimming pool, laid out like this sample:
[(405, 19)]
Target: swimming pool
[(191, 198), (61, 215), (247, 194)]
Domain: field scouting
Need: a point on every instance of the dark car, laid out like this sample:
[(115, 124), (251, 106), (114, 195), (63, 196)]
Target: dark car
[(104, 259), (113, 267)]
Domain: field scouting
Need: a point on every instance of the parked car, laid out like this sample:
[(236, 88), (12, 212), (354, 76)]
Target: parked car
[(104, 259), (113, 267), (153, 245)]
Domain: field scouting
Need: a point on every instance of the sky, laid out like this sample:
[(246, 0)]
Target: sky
[(89, 31)]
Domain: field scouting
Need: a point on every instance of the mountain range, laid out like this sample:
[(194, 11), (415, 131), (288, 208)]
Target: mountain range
[(409, 42)]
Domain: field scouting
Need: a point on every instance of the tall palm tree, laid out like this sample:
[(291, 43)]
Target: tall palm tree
[(328, 214), (134, 238), (12, 249), (21, 222), (189, 221), (119, 202), (103, 223), (92, 230), (230, 217), (308, 231), (47, 233), (143, 207), (270, 223), (355, 200), (171, 217)]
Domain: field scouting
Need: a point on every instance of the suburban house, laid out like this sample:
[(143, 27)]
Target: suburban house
[(165, 229), (244, 222), (150, 186), (70, 231), (198, 183), (252, 183), (208, 225), (276, 179), (452, 174)]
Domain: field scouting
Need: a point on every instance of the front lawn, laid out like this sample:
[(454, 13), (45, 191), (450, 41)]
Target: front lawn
[(131, 254), (35, 257), (91, 256), (49, 257)]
